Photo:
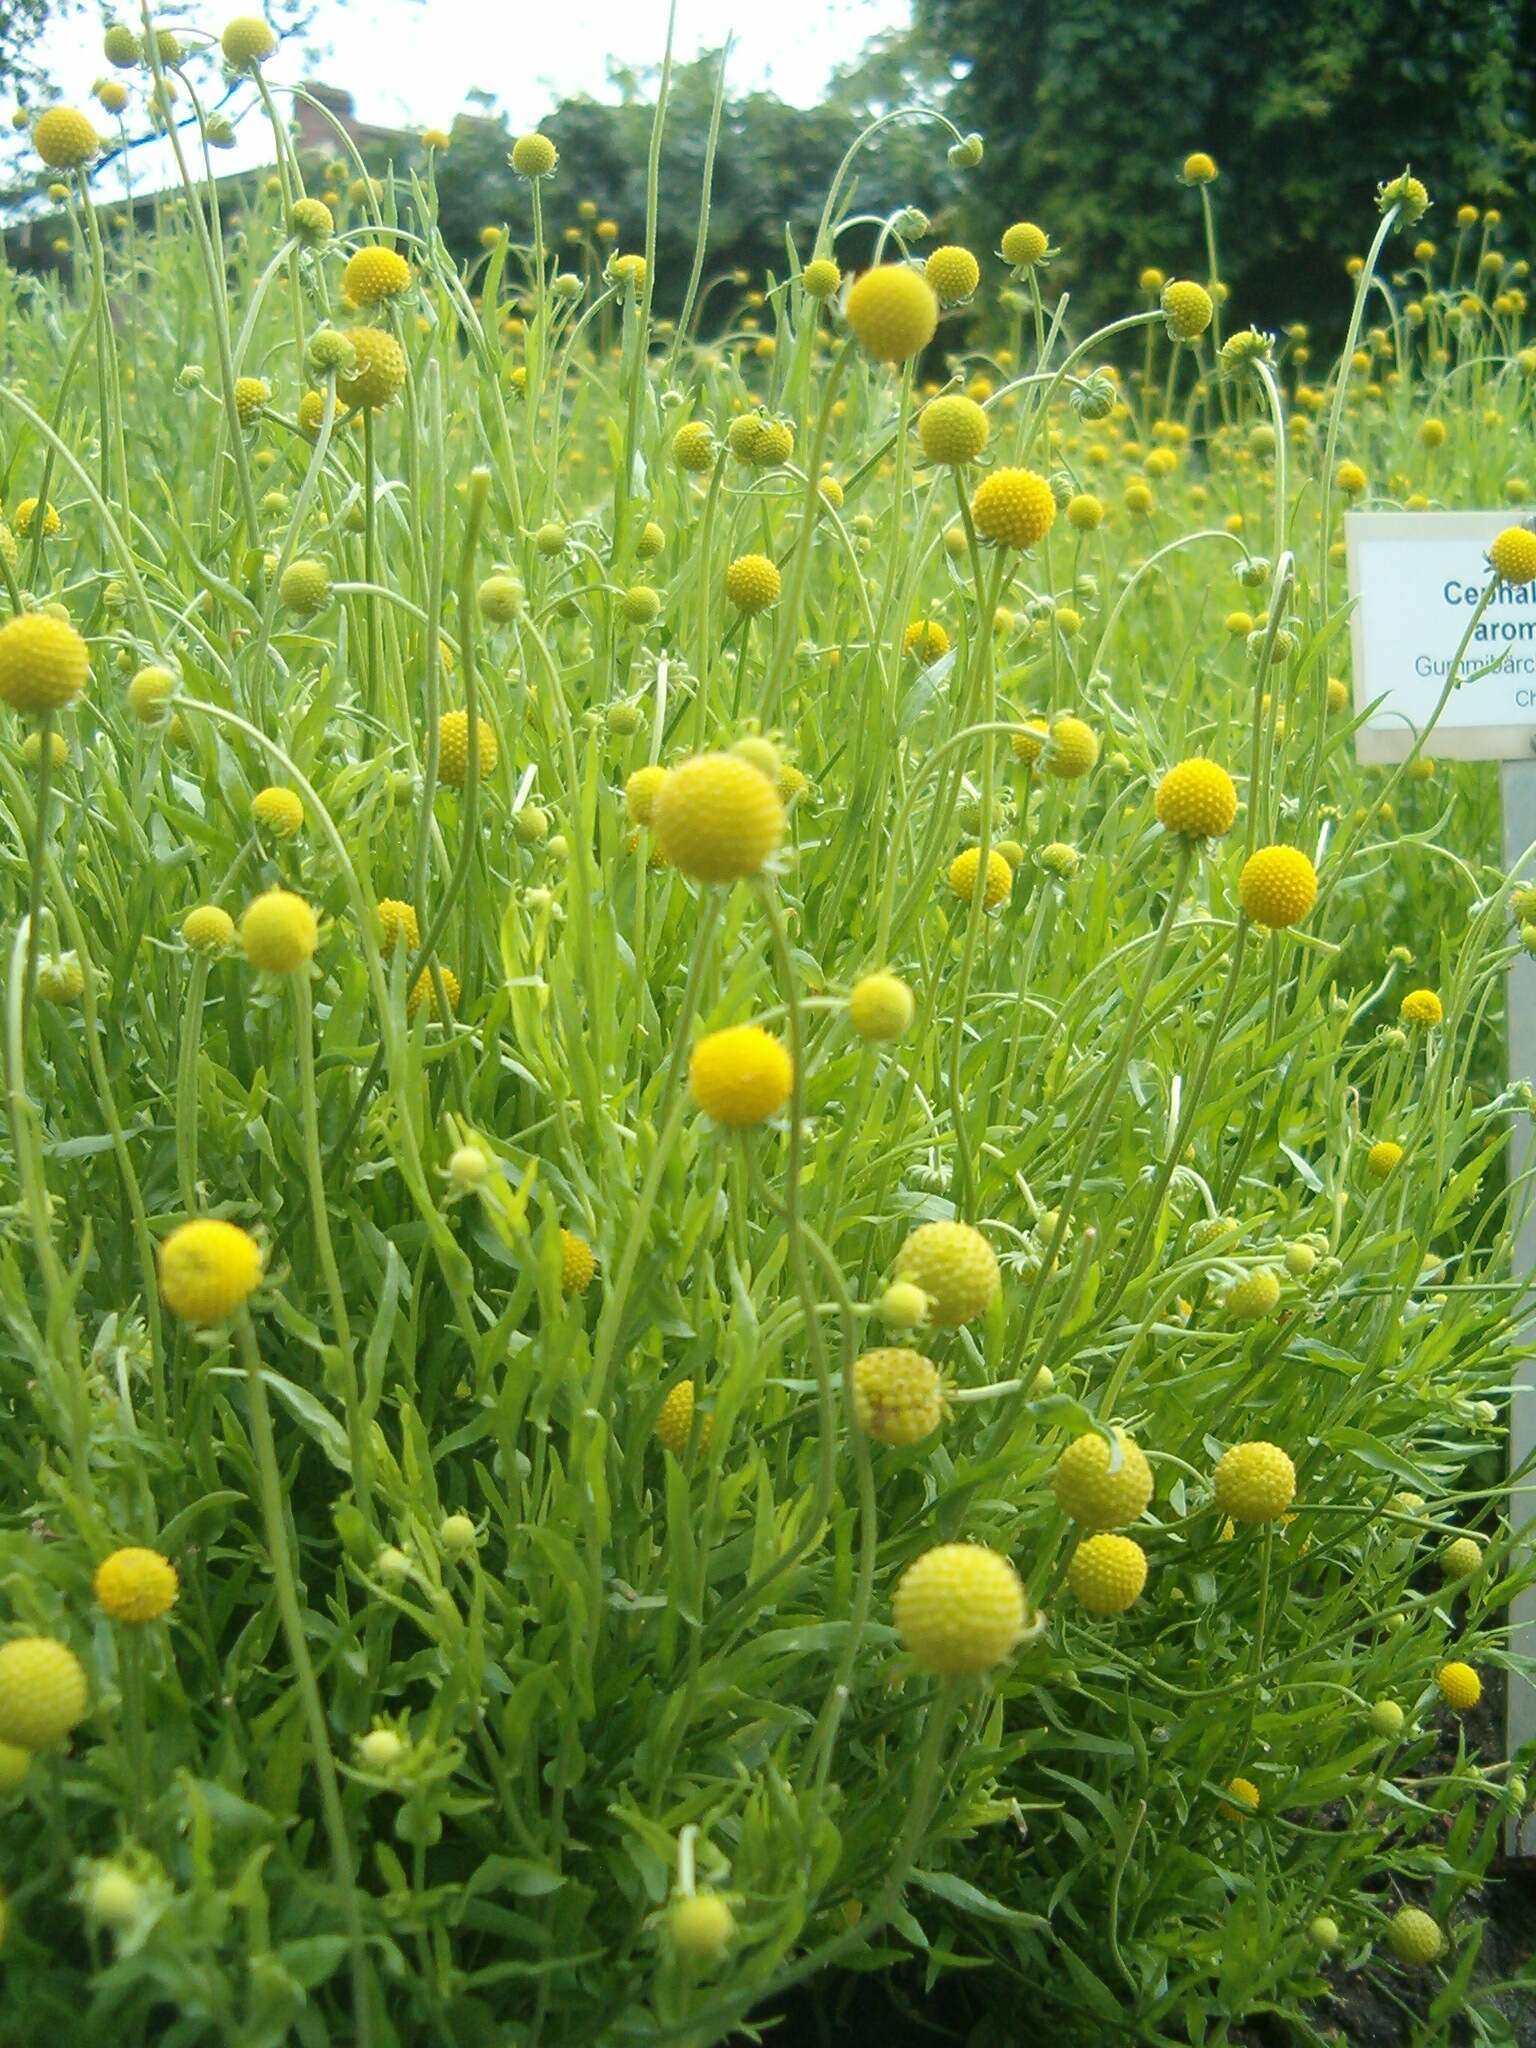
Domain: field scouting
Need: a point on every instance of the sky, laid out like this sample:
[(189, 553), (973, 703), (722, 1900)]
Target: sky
[(413, 62)]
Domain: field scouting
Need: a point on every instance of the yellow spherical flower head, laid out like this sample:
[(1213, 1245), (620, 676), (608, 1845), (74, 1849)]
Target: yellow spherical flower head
[(1029, 742), (120, 46), (952, 429), (1199, 169), (717, 818), (247, 42), (1414, 1938), (58, 750), (374, 274), (740, 1076), (1384, 1157), (693, 447), (1100, 1487), (251, 394), (898, 1397), (880, 1006), (641, 792), (397, 925), (304, 587), (208, 929), (926, 639), (1197, 799), (377, 375), (423, 994), (820, 278), (1421, 1006), (1108, 1573), (534, 156), (1013, 507), (1277, 887), (1242, 1800), (1085, 512), (278, 811), (577, 1263), (65, 139), (1072, 750), (1254, 1482), (1024, 244), (1254, 1297), (752, 583), (1186, 309), (1512, 555), (966, 866), (279, 932), (956, 1269), (135, 1585), (701, 1926), (43, 1692), (674, 1423), (1460, 1558), (1460, 1687), (960, 1610), (453, 748), (207, 1268), (893, 311), (1351, 479), (60, 980), (954, 274), (44, 663)]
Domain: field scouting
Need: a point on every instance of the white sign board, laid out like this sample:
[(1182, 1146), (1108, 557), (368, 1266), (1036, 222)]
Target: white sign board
[(1416, 578)]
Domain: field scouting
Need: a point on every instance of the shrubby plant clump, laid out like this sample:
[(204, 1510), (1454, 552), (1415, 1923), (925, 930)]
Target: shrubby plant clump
[(757, 1215)]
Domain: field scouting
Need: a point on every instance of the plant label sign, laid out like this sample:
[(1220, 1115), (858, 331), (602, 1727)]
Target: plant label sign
[(1416, 579)]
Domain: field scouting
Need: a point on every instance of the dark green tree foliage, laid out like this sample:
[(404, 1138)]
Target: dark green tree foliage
[(1088, 108), (774, 164)]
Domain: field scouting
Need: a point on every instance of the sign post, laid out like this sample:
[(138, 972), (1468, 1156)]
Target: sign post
[(1416, 579)]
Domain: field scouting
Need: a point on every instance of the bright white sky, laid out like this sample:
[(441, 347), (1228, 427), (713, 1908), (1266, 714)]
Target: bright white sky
[(412, 62)]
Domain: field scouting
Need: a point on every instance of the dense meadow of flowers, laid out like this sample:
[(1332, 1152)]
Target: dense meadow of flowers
[(756, 1219)]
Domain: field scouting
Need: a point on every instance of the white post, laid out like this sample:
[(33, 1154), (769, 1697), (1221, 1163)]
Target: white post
[(1517, 789)]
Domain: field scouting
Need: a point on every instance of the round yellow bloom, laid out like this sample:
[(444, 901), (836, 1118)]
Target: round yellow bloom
[(58, 750), (279, 931), (898, 1397), (701, 1925), (752, 583), (1460, 1687), (251, 394), (954, 274), (1013, 507), (577, 1264), (820, 278), (893, 311), (1024, 244), (534, 156), (377, 375), (717, 818), (1414, 1938), (1421, 1006), (397, 924), (279, 811), (674, 1424), (1387, 1718), (22, 519), (952, 429), (1278, 886), (1029, 741), (960, 1609), (927, 639), (1073, 749), (374, 274), (304, 587), (1512, 555), (1351, 479), (1186, 309), (1460, 1558), (965, 867), (208, 929), (1107, 1573), (64, 138), (693, 446), (1085, 512), (955, 1267), (1383, 1157), (641, 792), (453, 748), (424, 993), (311, 221), (1094, 1495), (1242, 1800), (1254, 1482), (135, 1585), (1253, 1297), (880, 1006), (207, 1268), (1198, 799), (247, 42), (43, 1691), (1199, 169), (44, 663), (60, 980), (740, 1076)]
